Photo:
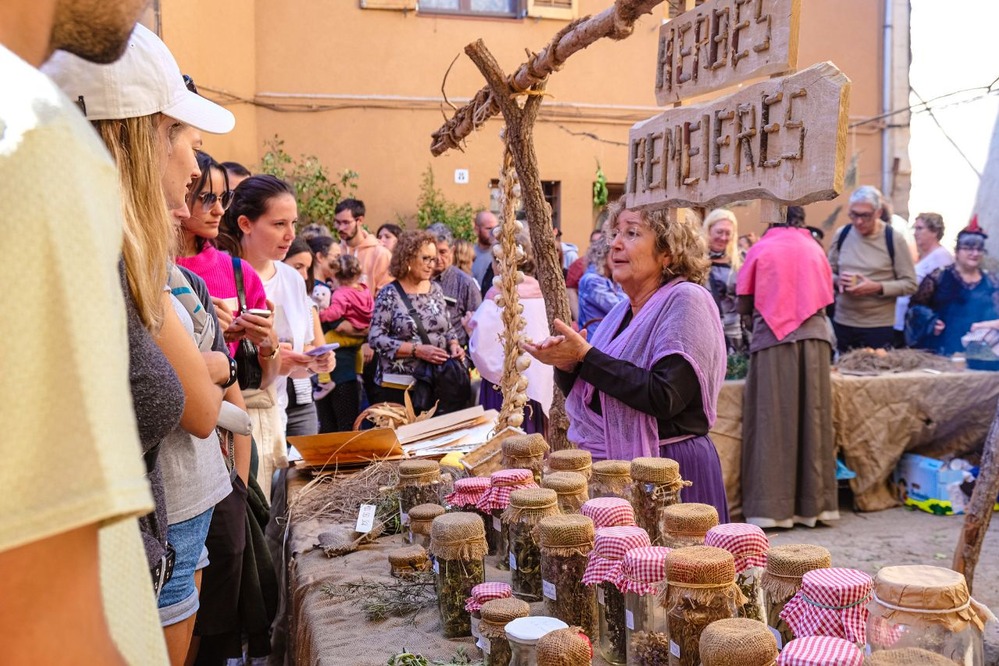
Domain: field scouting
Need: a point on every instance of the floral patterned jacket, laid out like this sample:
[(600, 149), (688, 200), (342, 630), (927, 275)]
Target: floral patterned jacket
[(391, 326)]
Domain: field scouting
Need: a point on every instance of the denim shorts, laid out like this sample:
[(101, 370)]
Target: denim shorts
[(179, 597)]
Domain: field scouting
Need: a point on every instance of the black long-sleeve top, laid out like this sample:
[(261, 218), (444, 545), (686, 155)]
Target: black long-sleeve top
[(668, 391)]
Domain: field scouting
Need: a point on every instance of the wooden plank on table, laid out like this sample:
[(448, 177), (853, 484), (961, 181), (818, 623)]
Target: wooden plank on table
[(438, 425), (348, 448), (782, 139), (723, 42)]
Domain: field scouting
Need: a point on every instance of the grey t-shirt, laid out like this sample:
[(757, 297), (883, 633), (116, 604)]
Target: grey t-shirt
[(195, 477)]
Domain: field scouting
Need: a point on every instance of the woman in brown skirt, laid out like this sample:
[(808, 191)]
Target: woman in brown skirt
[(788, 461)]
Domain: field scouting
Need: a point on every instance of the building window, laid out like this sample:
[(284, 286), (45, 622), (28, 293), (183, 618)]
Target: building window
[(501, 8), (565, 10), (553, 195)]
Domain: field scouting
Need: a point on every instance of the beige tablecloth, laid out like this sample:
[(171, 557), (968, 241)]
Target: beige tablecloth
[(877, 419)]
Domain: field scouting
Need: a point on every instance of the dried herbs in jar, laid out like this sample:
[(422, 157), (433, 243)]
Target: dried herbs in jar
[(603, 570), (458, 544), (781, 580), (419, 483), (527, 508), (467, 494), (642, 571), (700, 589), (496, 499), (421, 517), (492, 634), (566, 542), (611, 478), (748, 545), (525, 452), (482, 593), (571, 489), (656, 484)]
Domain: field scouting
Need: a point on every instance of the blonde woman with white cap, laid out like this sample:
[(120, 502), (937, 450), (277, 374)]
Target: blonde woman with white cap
[(150, 123), (721, 233)]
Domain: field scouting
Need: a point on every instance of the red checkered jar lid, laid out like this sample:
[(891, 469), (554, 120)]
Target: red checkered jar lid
[(501, 484), (484, 592), (820, 651), (831, 602), (642, 569), (747, 543), (467, 492), (609, 512), (609, 547)]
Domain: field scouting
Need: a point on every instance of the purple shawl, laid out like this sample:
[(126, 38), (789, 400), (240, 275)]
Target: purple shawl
[(681, 318)]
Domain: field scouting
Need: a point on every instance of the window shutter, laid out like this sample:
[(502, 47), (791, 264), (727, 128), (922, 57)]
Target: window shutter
[(388, 4), (565, 10)]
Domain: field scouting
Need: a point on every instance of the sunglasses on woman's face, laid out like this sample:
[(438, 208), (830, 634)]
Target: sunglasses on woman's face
[(208, 199)]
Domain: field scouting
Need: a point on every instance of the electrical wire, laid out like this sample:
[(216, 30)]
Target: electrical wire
[(947, 136)]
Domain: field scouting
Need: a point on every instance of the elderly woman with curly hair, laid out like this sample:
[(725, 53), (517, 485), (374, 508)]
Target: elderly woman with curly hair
[(647, 383), (395, 334)]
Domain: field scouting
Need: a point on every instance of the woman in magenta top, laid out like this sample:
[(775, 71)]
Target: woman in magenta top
[(210, 196)]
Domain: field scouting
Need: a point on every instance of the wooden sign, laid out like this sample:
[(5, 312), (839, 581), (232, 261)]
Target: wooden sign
[(782, 139), (722, 42)]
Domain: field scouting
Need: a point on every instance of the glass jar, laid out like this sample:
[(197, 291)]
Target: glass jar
[(571, 460), (525, 452), (687, 524), (571, 489), (565, 543), (831, 602), (523, 635), (407, 561), (748, 545), (609, 512), (421, 517), (656, 484), (527, 508), (700, 590), (781, 580), (603, 570), (492, 641), (928, 608), (458, 545), (495, 501), (480, 595), (647, 642), (611, 478), (419, 483), (467, 494)]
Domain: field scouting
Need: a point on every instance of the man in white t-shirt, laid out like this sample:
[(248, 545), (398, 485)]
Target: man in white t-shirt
[(73, 478)]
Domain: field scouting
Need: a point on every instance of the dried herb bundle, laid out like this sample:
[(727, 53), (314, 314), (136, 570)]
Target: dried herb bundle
[(372, 485), (525, 563), (613, 631), (402, 598), (455, 580), (649, 648)]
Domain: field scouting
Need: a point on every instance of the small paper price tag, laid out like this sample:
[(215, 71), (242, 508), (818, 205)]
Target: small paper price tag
[(548, 588), (365, 518), (600, 596), (513, 561), (674, 649), (629, 619), (497, 524), (780, 639), (437, 566), (403, 516)]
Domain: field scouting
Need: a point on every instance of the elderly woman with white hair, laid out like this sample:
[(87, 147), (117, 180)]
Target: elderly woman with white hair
[(721, 232)]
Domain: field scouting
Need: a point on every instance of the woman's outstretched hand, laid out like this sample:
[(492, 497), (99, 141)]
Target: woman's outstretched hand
[(564, 350)]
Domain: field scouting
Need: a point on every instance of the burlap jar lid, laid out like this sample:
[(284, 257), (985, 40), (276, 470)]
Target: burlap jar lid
[(565, 483), (918, 594), (573, 532), (419, 470), (660, 471), (564, 647), (907, 657), (787, 564), (525, 446), (534, 498), (458, 536), (689, 519), (570, 460), (612, 468), (497, 613), (700, 565), (609, 511), (737, 642), (408, 559), (422, 515)]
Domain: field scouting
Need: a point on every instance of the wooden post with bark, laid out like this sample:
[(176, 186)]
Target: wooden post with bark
[(502, 94), (979, 511)]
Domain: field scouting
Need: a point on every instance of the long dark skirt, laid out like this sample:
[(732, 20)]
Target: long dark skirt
[(788, 456), (534, 418), (699, 464)]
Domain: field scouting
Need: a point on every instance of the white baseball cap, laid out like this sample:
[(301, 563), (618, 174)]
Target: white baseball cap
[(144, 81)]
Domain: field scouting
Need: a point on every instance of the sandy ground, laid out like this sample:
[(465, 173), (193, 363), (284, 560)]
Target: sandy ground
[(869, 541)]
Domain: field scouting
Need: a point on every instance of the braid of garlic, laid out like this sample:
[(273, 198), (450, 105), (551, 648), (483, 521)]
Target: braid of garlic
[(508, 255)]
